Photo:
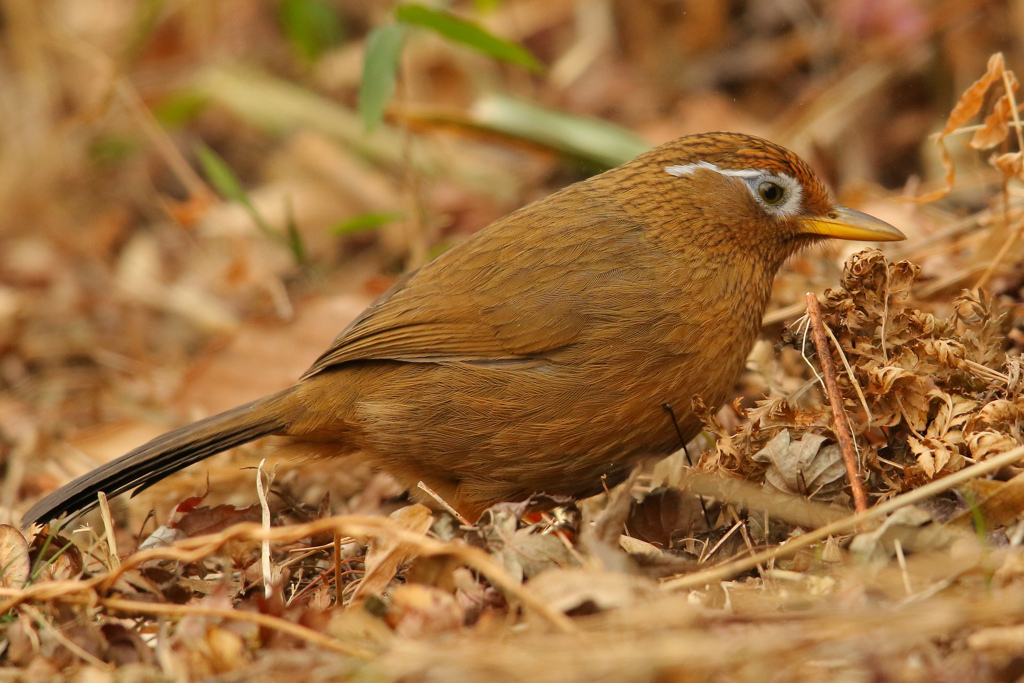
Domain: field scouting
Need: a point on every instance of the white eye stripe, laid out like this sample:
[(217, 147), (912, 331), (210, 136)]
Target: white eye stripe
[(690, 169), (753, 178)]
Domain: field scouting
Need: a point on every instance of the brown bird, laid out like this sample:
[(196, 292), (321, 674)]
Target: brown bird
[(537, 355)]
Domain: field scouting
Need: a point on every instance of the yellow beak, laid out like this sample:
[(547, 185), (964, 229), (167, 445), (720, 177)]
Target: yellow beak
[(847, 224)]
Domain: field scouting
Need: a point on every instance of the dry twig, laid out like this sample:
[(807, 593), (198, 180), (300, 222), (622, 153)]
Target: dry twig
[(195, 548), (262, 620), (835, 399), (933, 488)]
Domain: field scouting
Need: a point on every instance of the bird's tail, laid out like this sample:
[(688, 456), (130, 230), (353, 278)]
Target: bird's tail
[(166, 454)]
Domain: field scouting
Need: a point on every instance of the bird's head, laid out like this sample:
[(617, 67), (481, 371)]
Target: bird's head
[(735, 191)]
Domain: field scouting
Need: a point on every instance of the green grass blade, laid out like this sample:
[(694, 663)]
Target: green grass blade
[(364, 222), (180, 108), (310, 26), (594, 141), (295, 241), (469, 34), (227, 184), (221, 175), (380, 72)]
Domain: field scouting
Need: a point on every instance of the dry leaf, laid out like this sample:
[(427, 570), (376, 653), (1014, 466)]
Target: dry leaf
[(997, 124), (971, 101), (14, 558), (934, 455), (385, 554), (1001, 508), (1011, 164), (640, 549), (57, 556), (900, 525), (211, 520), (584, 591), (1008, 639), (966, 108), (989, 442), (524, 554), (664, 514), (416, 610), (125, 646), (805, 466)]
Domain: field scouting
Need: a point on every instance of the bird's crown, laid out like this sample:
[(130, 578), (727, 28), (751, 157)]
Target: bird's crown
[(779, 180)]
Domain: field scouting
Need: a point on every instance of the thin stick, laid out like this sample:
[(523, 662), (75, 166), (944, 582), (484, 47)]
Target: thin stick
[(108, 531), (849, 371), (746, 539), (885, 317), (197, 547), (159, 138), (337, 567), (443, 503), (263, 620), (1014, 109), (704, 558), (268, 581), (835, 399), (903, 565), (71, 645)]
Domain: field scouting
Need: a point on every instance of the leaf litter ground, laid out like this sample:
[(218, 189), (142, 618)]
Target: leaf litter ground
[(749, 566)]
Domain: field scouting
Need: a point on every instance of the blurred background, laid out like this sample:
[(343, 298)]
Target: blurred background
[(191, 205)]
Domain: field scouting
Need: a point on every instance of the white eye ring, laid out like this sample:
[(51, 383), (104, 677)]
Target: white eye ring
[(793, 193), (753, 178)]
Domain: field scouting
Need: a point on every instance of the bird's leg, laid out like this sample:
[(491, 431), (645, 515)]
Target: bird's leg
[(689, 461)]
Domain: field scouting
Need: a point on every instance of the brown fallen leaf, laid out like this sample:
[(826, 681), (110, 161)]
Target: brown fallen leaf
[(14, 560), (996, 125), (966, 108), (912, 527), (805, 466), (585, 591), (57, 557), (522, 552), (211, 520), (385, 554), (1008, 639), (665, 514), (417, 610), (998, 508)]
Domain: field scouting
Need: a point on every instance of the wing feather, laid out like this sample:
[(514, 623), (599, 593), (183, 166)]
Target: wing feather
[(512, 292)]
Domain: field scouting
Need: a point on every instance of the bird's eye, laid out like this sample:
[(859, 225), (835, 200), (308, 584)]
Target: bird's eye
[(771, 193)]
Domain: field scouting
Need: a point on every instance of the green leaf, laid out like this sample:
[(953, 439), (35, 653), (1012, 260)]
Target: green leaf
[(364, 222), (310, 26), (180, 108), (295, 242), (467, 33), (108, 150), (594, 141), (380, 70), (485, 6), (146, 17), (438, 249), (228, 184), (221, 175)]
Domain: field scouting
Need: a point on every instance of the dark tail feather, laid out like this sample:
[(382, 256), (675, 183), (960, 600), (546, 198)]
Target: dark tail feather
[(164, 455)]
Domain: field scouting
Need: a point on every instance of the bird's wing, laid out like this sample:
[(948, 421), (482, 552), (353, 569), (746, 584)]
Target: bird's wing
[(523, 287)]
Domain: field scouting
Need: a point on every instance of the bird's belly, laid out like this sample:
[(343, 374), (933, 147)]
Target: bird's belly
[(502, 433)]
